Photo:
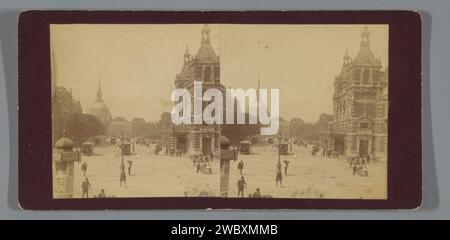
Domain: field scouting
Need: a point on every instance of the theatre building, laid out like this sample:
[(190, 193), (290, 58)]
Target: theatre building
[(360, 105), (205, 67)]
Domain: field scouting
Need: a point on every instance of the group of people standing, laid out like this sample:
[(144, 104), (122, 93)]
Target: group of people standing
[(86, 185), (202, 162), (330, 153), (359, 165), (242, 184)]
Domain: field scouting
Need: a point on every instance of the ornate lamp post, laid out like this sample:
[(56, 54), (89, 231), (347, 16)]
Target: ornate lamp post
[(63, 167), (226, 155)]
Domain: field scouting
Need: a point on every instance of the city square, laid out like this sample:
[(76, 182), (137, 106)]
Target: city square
[(170, 176)]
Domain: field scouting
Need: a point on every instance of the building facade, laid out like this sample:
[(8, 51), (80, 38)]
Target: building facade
[(118, 129), (204, 67), (360, 105)]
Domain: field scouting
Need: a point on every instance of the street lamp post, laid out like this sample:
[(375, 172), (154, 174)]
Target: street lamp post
[(121, 146), (279, 148)]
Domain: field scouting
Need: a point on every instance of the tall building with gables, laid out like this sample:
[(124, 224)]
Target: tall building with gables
[(360, 105), (203, 66)]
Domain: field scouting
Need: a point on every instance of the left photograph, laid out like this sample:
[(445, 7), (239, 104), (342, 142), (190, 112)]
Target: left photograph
[(111, 123)]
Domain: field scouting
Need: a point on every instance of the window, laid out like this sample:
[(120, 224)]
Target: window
[(364, 125), (366, 76), (198, 73), (216, 73), (376, 75), (356, 75), (207, 74)]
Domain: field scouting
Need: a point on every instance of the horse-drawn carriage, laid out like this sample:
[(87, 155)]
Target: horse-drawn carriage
[(87, 148), (283, 148), (245, 147), (125, 147)]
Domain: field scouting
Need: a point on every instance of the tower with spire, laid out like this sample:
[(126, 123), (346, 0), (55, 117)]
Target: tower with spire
[(203, 66), (99, 108), (359, 126), (99, 92)]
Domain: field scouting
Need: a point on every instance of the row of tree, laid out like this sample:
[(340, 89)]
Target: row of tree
[(312, 131), (68, 117)]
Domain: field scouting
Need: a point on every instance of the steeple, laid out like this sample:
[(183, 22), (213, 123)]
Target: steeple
[(365, 35), (365, 55), (206, 53), (99, 92), (346, 56), (205, 34), (187, 55)]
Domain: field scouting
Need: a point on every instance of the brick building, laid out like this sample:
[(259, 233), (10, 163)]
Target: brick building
[(360, 105), (205, 67)]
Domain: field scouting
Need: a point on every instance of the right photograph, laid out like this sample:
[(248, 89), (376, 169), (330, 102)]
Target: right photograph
[(313, 102)]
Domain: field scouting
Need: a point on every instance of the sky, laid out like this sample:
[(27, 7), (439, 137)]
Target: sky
[(137, 64)]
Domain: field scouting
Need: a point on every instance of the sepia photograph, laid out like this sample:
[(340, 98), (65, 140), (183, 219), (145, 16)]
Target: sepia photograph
[(296, 111)]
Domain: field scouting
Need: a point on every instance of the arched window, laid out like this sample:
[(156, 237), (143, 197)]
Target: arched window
[(198, 73), (366, 76), (207, 74)]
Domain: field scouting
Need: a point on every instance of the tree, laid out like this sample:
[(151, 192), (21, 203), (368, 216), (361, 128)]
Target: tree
[(299, 128), (296, 126), (63, 106), (81, 127), (137, 127), (152, 130), (165, 120), (324, 120), (238, 132)]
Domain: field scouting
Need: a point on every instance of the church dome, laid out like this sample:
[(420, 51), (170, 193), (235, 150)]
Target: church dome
[(100, 109)]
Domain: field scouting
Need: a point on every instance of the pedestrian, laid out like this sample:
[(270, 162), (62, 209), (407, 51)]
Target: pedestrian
[(194, 160), (241, 186), (211, 156), (257, 194), (85, 186), (241, 166), (278, 167), (279, 178), (130, 164), (84, 168), (101, 194), (286, 165), (199, 166), (355, 169)]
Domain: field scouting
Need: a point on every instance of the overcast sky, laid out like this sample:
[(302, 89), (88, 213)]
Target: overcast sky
[(137, 64)]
